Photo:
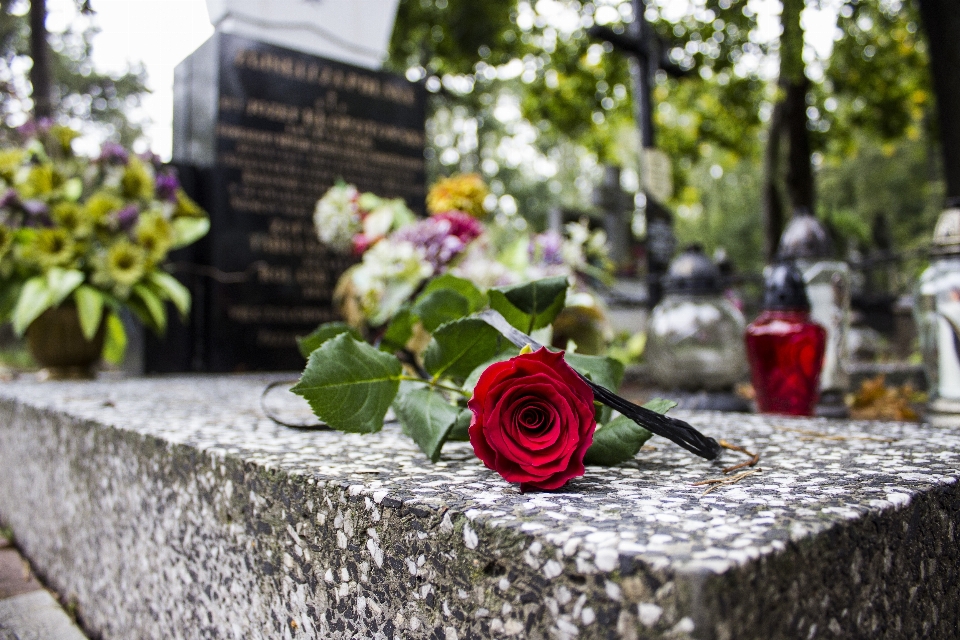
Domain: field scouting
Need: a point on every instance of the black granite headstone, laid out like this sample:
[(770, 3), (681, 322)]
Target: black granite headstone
[(262, 132)]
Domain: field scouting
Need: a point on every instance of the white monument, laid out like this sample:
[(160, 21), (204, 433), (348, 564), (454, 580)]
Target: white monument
[(353, 31)]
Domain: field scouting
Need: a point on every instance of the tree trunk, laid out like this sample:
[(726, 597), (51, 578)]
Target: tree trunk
[(941, 21), (799, 172), (773, 218), (40, 52)]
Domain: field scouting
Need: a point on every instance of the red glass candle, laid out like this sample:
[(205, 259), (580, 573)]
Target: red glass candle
[(785, 348)]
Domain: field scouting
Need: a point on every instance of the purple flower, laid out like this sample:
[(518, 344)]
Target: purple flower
[(167, 185), (38, 213), (10, 200), (113, 153), (31, 127), (442, 237), (545, 248), (151, 158), (127, 217)]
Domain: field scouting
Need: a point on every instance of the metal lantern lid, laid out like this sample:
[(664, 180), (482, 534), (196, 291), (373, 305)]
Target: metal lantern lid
[(693, 272), (946, 235), (805, 238), (784, 289)]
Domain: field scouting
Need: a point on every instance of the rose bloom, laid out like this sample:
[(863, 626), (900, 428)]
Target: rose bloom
[(533, 420)]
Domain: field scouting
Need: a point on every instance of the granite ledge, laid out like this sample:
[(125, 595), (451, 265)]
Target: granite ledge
[(173, 507)]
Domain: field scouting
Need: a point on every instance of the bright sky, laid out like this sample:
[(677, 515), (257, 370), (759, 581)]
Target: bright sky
[(161, 33), (158, 33)]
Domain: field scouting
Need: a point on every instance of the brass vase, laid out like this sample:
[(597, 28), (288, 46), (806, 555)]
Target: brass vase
[(56, 342)]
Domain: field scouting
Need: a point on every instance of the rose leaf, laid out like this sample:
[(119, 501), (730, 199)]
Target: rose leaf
[(660, 405), (459, 347), (476, 298), (398, 331), (460, 432), (350, 384), (617, 441), (313, 341), (603, 370), (533, 305), (438, 307), (428, 418)]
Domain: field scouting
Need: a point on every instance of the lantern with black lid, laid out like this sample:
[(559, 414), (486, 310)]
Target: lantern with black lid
[(785, 347), (938, 318), (694, 340)]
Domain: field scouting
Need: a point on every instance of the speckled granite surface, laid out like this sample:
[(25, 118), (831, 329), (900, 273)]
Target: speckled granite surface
[(172, 508)]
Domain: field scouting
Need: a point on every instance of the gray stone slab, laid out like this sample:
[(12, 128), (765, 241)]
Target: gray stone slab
[(36, 616), (175, 508)]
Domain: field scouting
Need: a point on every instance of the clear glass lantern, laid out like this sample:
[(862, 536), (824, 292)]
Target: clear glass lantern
[(938, 314), (695, 335), (806, 243)]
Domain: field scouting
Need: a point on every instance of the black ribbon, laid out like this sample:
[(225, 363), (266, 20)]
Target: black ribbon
[(672, 429)]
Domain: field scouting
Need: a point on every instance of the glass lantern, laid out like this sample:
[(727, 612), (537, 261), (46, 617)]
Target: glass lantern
[(806, 243), (695, 336), (938, 315)]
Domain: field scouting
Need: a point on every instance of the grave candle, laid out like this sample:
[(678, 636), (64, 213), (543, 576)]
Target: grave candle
[(785, 347)]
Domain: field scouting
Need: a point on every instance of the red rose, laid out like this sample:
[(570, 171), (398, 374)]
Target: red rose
[(533, 420)]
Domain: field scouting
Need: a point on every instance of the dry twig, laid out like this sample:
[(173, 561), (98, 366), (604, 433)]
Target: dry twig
[(716, 483), (754, 457), (810, 434)]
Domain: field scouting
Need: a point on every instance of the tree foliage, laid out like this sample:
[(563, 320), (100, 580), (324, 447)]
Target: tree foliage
[(81, 94)]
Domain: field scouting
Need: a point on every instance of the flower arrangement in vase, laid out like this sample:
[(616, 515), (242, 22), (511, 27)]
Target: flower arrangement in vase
[(82, 238), (440, 313)]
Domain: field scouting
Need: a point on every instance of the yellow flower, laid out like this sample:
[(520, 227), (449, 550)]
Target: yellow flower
[(10, 160), (137, 181), (6, 240), (464, 192), (39, 182), (50, 248), (121, 267), (101, 205), (73, 218), (65, 136), (154, 234), (187, 208)]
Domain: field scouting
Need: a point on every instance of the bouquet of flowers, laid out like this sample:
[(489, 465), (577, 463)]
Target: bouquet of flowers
[(92, 233), (454, 359)]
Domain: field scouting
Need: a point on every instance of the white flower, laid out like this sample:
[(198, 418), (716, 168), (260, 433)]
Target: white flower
[(389, 274), (336, 217)]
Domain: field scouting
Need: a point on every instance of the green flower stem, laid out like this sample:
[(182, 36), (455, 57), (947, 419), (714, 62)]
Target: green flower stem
[(435, 385)]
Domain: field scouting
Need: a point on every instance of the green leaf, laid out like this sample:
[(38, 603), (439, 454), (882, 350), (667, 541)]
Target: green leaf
[(459, 347), (9, 295), (398, 331), (460, 432), (172, 290), (660, 405), (63, 282), (476, 298), (186, 231), (617, 441), (309, 343), (438, 307), (154, 306), (350, 384), (35, 298), (89, 308), (530, 306), (428, 418), (115, 342), (603, 370)]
